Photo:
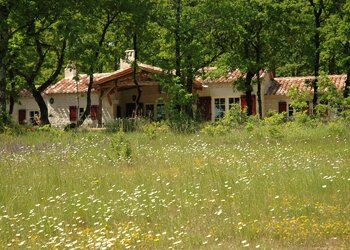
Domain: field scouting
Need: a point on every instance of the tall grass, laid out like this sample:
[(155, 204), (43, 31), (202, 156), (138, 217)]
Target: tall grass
[(246, 188)]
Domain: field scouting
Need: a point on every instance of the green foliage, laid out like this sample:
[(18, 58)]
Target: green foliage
[(329, 96), (214, 129), (155, 129), (177, 105), (234, 118), (302, 117), (275, 119), (299, 98), (126, 124), (120, 147), (183, 191)]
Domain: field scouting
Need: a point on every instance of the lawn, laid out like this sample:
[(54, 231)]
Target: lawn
[(247, 188)]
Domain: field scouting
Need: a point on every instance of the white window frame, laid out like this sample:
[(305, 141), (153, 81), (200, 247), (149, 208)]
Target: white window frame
[(32, 114), (234, 101), (218, 111)]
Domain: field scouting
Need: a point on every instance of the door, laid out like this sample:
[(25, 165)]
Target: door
[(204, 108), (130, 109), (22, 116)]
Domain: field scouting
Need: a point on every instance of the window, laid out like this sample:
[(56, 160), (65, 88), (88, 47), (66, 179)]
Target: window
[(149, 111), (81, 112), (161, 115), (219, 107), (233, 100), (72, 113), (32, 116), (290, 110)]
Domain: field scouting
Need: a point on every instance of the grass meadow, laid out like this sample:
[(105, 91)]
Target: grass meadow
[(243, 189)]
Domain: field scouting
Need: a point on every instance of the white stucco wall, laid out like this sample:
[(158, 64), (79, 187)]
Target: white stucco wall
[(224, 90), (59, 109)]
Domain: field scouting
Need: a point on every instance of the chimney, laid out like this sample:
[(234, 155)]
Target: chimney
[(70, 71), (268, 79), (129, 58)]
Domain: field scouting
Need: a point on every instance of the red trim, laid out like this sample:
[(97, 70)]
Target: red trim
[(94, 112), (22, 116), (244, 103), (282, 107), (72, 113)]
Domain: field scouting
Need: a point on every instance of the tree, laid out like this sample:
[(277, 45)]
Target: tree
[(336, 33), (40, 47), (247, 31), (92, 39), (186, 43), (5, 10)]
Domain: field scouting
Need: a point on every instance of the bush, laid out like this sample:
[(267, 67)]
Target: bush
[(155, 128), (215, 129), (126, 125), (120, 147), (275, 118), (234, 117)]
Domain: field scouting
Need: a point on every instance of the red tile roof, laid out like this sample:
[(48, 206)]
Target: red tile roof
[(25, 93), (65, 85), (231, 77), (281, 85)]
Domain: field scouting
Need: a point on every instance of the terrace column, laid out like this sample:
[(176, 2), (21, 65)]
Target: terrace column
[(99, 113)]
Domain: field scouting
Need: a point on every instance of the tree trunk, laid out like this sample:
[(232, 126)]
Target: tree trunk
[(332, 66), (92, 69), (139, 91), (13, 92), (44, 115), (248, 91), (4, 39), (317, 42), (88, 99), (178, 39), (347, 82), (347, 85), (189, 88), (259, 94)]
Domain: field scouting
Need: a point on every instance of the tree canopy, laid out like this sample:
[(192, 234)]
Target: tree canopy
[(296, 37)]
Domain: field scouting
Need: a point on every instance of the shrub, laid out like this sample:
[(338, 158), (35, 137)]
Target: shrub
[(120, 147), (126, 124), (155, 128), (234, 117), (213, 129), (275, 119)]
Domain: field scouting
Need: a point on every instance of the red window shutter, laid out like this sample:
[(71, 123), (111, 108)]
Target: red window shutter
[(244, 103), (282, 107), (94, 112), (72, 113), (21, 116)]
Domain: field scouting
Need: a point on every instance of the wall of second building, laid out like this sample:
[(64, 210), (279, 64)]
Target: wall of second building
[(58, 108), (224, 91), (26, 106)]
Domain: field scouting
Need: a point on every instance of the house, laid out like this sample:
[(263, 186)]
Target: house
[(114, 94)]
